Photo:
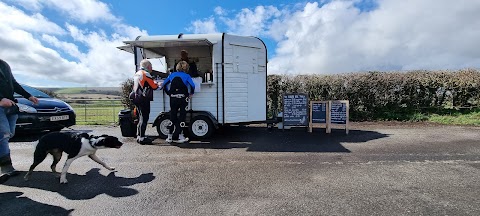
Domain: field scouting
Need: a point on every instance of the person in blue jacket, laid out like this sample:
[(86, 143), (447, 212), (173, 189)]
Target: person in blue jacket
[(180, 91)]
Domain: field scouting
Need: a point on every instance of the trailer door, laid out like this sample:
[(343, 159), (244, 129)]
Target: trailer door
[(245, 86)]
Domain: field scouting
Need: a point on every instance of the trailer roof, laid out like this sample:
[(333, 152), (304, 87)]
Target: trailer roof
[(175, 40), (162, 41)]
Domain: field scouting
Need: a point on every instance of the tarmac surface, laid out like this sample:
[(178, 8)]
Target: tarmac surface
[(377, 169)]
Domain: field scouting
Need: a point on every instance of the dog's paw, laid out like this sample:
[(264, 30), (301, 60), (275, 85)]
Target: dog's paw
[(63, 181), (111, 168)]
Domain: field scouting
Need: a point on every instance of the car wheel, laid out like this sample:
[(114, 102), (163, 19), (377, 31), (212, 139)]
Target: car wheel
[(201, 127), (162, 127)]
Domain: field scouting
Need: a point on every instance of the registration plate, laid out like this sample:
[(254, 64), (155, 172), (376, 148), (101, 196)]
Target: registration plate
[(59, 118)]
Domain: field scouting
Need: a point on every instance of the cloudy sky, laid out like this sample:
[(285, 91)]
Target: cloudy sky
[(53, 43)]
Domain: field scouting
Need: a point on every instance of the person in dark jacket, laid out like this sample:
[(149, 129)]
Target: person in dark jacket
[(180, 91), (192, 66), (8, 120)]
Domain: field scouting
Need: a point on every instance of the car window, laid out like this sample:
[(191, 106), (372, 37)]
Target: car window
[(34, 92)]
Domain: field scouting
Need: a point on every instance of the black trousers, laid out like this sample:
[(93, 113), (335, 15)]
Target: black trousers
[(143, 111), (177, 105)]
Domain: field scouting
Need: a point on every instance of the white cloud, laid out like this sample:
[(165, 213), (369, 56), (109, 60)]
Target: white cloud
[(252, 22), (203, 26), (69, 48), (31, 5), (17, 19), (220, 11), (83, 10), (24, 43), (337, 36), (79, 10), (398, 35)]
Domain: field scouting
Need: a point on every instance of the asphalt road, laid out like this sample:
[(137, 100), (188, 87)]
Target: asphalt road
[(378, 169)]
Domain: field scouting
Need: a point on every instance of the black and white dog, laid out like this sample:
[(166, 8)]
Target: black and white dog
[(75, 145)]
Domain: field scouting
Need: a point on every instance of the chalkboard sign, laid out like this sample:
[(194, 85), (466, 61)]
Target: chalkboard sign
[(295, 108), (319, 111), (338, 112)]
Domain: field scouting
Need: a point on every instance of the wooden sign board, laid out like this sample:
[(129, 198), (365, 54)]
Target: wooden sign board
[(295, 107), (329, 113), (319, 114), (339, 113)]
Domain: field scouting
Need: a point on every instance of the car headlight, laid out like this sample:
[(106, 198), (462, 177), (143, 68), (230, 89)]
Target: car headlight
[(26, 108)]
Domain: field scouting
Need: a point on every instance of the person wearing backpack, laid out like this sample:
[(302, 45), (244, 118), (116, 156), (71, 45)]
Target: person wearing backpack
[(180, 91), (142, 94)]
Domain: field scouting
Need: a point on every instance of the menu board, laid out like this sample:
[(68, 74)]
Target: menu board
[(295, 108), (319, 111), (338, 112)]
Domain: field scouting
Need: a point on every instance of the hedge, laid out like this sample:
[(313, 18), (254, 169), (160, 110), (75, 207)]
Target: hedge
[(383, 95)]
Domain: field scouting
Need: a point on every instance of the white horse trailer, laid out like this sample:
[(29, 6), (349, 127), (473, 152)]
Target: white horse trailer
[(234, 90)]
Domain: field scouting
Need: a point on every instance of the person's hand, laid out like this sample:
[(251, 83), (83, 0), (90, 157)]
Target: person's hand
[(33, 99), (190, 96), (5, 102)]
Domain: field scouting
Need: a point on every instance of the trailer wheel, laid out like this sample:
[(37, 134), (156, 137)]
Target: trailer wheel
[(162, 127), (201, 127)]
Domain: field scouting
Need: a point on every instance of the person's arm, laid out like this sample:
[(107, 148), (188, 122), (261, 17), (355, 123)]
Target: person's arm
[(19, 89), (149, 80), (192, 85), (165, 83)]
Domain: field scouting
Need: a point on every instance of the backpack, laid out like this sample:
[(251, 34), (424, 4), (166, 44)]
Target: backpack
[(178, 87), (141, 95)]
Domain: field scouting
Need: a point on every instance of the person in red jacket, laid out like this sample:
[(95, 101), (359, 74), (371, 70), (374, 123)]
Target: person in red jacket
[(144, 83), (8, 120)]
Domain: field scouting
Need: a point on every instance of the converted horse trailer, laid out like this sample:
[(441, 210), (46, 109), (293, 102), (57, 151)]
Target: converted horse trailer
[(232, 88)]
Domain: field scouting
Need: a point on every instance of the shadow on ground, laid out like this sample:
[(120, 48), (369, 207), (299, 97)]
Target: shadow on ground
[(259, 139), (12, 203), (82, 187)]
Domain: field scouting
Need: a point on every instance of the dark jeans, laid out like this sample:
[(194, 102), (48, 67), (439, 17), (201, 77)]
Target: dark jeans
[(143, 112), (177, 104)]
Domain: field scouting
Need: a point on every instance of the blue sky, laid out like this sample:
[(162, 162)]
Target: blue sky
[(52, 43)]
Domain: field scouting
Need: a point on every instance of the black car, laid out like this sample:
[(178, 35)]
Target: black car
[(49, 114)]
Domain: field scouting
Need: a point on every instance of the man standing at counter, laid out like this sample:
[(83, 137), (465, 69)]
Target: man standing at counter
[(192, 71)]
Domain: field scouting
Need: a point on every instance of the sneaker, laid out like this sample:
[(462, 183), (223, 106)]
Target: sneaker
[(169, 138), (181, 139)]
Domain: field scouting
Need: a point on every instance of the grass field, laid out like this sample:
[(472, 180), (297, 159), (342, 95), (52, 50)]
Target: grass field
[(97, 114), (457, 118)]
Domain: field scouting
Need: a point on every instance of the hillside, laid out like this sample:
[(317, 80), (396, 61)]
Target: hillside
[(87, 93)]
